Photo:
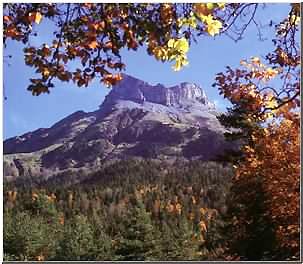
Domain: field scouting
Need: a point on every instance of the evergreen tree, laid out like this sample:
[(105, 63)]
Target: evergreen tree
[(169, 245), (255, 240), (29, 238), (187, 240), (8, 237), (103, 242), (78, 241), (139, 239), (178, 242)]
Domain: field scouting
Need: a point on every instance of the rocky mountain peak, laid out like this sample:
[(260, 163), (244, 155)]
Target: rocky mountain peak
[(136, 120), (133, 89)]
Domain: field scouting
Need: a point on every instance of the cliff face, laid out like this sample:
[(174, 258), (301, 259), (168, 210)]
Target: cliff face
[(135, 120), (135, 90)]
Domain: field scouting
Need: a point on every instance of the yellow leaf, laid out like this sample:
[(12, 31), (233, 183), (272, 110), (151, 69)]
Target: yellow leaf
[(255, 60), (207, 19), (221, 5), (181, 45), (180, 62), (294, 19), (38, 17), (180, 22), (214, 28), (269, 74), (160, 53), (191, 22), (210, 6), (178, 65), (184, 62), (171, 43), (271, 102), (45, 72), (252, 93)]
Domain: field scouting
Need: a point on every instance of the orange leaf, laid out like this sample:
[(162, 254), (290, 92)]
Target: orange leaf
[(38, 17), (6, 18), (35, 17), (94, 44)]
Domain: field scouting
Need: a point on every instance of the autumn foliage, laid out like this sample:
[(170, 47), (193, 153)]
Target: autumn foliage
[(266, 116), (93, 35)]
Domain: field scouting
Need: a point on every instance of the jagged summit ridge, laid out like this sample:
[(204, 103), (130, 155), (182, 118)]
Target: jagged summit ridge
[(136, 120), (133, 89)]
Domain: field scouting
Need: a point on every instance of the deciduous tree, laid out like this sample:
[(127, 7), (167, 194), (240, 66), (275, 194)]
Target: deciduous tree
[(93, 35), (266, 114)]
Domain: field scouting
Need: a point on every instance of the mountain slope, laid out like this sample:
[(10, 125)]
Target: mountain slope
[(136, 119)]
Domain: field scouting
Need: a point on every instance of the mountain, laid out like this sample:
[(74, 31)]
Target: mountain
[(136, 120)]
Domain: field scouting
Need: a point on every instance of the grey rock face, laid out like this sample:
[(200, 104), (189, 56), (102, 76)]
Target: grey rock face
[(138, 91), (135, 120)]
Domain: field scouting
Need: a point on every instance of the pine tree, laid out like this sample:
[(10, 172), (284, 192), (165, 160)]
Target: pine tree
[(103, 242), (139, 239), (78, 241), (178, 242), (8, 237), (187, 240), (169, 245), (29, 238)]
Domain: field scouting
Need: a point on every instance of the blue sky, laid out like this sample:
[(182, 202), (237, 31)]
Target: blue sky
[(24, 112)]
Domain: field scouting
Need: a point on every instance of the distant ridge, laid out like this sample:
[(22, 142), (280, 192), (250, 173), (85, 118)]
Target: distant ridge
[(136, 120)]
